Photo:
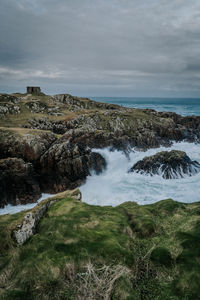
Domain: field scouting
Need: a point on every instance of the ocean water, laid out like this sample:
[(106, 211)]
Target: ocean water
[(182, 106), (115, 185), (10, 209)]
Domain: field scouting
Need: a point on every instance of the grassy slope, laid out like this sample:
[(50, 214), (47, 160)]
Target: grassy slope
[(159, 244)]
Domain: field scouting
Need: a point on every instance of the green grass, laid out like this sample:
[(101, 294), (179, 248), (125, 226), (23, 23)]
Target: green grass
[(158, 243)]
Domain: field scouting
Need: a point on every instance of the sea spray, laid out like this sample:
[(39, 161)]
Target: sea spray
[(116, 185)]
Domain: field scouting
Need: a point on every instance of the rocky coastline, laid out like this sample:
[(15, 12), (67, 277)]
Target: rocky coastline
[(47, 145), (64, 248)]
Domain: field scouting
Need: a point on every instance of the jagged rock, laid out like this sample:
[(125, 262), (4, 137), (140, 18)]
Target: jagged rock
[(18, 182), (9, 108), (66, 165), (58, 127), (58, 163), (29, 147), (36, 106), (172, 164), (97, 162), (64, 162), (102, 124), (75, 103), (6, 98)]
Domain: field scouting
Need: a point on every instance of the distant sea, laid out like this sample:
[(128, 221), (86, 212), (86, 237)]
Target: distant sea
[(182, 106)]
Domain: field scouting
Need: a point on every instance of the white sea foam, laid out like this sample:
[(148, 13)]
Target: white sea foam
[(116, 185), (10, 209)]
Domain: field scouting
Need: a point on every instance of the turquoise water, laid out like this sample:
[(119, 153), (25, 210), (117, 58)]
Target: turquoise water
[(182, 106)]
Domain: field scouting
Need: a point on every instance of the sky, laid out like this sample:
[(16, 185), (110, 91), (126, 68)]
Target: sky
[(148, 48)]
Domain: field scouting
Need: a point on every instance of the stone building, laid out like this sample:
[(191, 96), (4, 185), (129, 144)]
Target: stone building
[(33, 90)]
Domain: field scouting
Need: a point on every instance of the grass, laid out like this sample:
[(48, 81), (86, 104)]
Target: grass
[(158, 243), (132, 119)]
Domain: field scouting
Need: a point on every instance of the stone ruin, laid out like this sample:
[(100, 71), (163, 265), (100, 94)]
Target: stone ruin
[(33, 90)]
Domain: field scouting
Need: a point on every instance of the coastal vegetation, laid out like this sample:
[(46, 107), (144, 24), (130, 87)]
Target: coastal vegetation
[(82, 251)]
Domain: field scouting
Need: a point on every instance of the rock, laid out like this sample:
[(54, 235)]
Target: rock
[(75, 103), (173, 164), (29, 147), (29, 224), (6, 98), (36, 106), (66, 166), (97, 162), (96, 124), (18, 182), (58, 164)]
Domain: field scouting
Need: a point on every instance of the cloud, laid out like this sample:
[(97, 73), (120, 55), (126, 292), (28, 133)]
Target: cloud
[(100, 47)]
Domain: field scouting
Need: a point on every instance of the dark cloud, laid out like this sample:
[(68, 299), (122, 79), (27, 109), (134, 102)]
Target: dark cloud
[(100, 47)]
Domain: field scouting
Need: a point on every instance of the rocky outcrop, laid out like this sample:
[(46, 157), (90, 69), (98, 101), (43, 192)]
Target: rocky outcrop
[(170, 165), (97, 163), (9, 105), (59, 148), (18, 182), (9, 109), (66, 165), (29, 224), (75, 103), (57, 164), (6, 98), (122, 128), (29, 146), (58, 127)]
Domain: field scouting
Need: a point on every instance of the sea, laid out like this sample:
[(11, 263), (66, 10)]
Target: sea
[(182, 106), (116, 185)]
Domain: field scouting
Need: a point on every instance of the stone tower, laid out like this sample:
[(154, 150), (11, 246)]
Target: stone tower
[(33, 90)]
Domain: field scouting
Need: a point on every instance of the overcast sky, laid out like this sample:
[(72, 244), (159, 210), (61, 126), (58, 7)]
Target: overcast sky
[(101, 47)]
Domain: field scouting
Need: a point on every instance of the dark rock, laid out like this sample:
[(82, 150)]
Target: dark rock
[(18, 182), (173, 164), (29, 147), (97, 162), (66, 166), (58, 163)]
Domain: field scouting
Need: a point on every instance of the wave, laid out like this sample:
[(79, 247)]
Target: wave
[(116, 185)]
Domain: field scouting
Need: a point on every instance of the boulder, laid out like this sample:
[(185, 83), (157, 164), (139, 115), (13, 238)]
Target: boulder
[(29, 146), (169, 164), (18, 182), (66, 166)]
